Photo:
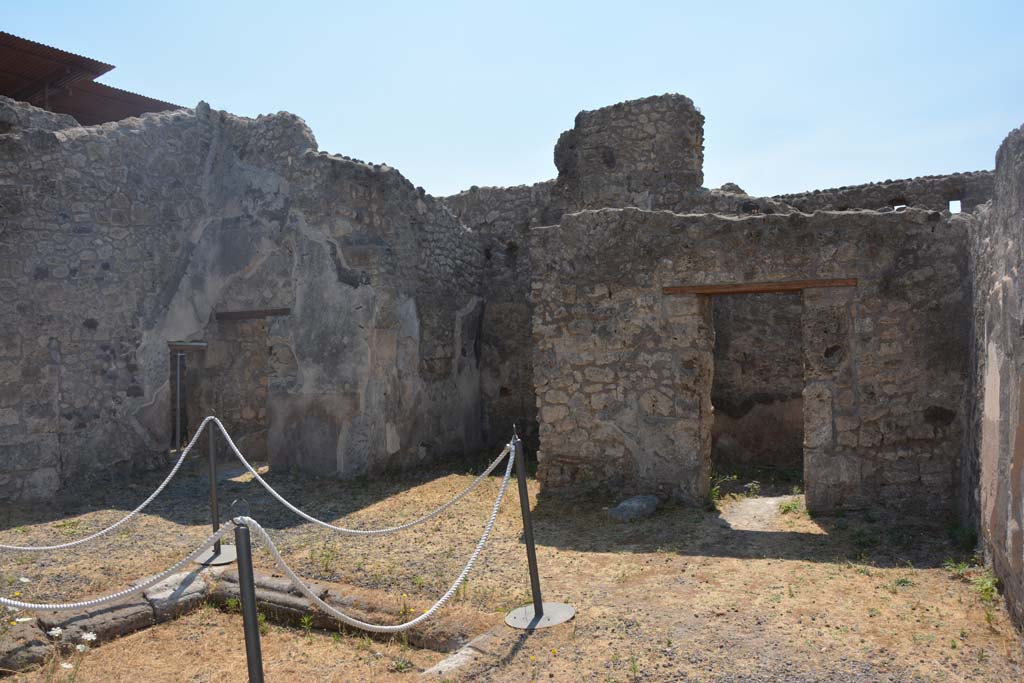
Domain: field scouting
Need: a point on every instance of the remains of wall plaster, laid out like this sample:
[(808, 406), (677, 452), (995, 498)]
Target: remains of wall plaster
[(121, 237), (992, 489), (622, 387), (230, 379)]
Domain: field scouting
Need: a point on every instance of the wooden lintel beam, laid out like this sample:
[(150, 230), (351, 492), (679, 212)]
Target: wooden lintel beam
[(252, 315), (759, 287)]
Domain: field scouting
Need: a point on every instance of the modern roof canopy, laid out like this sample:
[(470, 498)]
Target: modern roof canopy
[(64, 82)]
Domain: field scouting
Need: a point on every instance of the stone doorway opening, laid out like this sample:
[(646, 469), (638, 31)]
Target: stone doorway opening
[(757, 392)]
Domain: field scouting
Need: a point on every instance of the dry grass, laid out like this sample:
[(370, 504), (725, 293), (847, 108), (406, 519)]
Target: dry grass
[(716, 595), (206, 646)]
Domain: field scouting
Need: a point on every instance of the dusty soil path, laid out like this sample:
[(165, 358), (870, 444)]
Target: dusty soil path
[(754, 514), (745, 593)]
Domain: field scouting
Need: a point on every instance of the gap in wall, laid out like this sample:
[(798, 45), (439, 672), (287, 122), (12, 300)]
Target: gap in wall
[(757, 390)]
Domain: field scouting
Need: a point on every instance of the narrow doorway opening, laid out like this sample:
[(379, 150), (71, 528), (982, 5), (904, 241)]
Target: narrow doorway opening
[(757, 394), (181, 359)]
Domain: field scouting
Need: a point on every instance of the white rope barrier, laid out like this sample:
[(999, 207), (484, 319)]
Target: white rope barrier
[(293, 577), (281, 499), (343, 530), (121, 522), (385, 628), (134, 590)]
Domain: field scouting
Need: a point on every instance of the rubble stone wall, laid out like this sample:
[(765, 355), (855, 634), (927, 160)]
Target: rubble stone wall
[(623, 373), (643, 153), (992, 490), (501, 219), (122, 237), (927, 192)]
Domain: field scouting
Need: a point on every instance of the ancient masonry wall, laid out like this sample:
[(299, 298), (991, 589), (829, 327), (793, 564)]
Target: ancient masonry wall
[(926, 192), (643, 153), (992, 490), (121, 237), (501, 219), (623, 372)]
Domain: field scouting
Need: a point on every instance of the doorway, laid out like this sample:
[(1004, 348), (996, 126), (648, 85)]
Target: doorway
[(757, 393)]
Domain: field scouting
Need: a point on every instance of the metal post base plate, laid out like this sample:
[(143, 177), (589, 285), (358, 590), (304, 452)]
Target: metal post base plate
[(227, 556), (554, 613)]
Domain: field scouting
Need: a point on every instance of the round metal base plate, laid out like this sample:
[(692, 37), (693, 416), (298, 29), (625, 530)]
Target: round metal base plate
[(554, 613), (227, 556)]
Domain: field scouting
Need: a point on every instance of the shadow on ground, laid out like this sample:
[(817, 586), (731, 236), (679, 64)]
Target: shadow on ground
[(879, 538), (186, 500)]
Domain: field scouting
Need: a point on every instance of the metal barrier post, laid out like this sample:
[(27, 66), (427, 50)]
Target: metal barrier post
[(217, 555), (250, 615), (540, 614), (178, 355), (214, 511)]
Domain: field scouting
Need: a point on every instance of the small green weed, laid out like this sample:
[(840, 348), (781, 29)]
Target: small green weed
[(790, 507), (986, 586), (401, 665), (957, 569)]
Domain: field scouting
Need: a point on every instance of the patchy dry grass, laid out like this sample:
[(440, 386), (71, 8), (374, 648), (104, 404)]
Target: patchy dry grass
[(746, 590), (206, 646)]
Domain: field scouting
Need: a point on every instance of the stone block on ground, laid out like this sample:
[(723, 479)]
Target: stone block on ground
[(176, 595), (637, 507), (22, 646), (449, 630), (106, 622)]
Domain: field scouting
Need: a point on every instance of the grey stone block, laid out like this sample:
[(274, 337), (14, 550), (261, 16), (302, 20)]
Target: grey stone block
[(177, 595), (637, 507), (22, 646), (107, 622)]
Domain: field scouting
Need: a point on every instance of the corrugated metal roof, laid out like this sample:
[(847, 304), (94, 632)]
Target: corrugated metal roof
[(91, 103), (27, 67)]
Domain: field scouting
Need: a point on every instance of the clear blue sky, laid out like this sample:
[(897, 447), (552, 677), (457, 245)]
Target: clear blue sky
[(796, 95)]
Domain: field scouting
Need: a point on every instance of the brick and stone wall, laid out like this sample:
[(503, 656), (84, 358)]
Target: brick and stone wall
[(623, 373), (122, 237), (926, 192), (992, 490)]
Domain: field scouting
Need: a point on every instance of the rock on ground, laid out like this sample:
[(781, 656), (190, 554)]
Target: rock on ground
[(637, 507)]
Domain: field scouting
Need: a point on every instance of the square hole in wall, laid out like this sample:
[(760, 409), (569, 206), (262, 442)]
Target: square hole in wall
[(954, 206)]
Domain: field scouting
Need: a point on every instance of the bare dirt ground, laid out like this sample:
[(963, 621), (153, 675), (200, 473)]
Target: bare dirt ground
[(755, 591)]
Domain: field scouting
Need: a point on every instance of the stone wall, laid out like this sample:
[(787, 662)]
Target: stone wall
[(992, 490), (758, 381), (623, 372), (230, 379), (122, 237), (501, 219), (926, 192), (18, 116), (643, 153)]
